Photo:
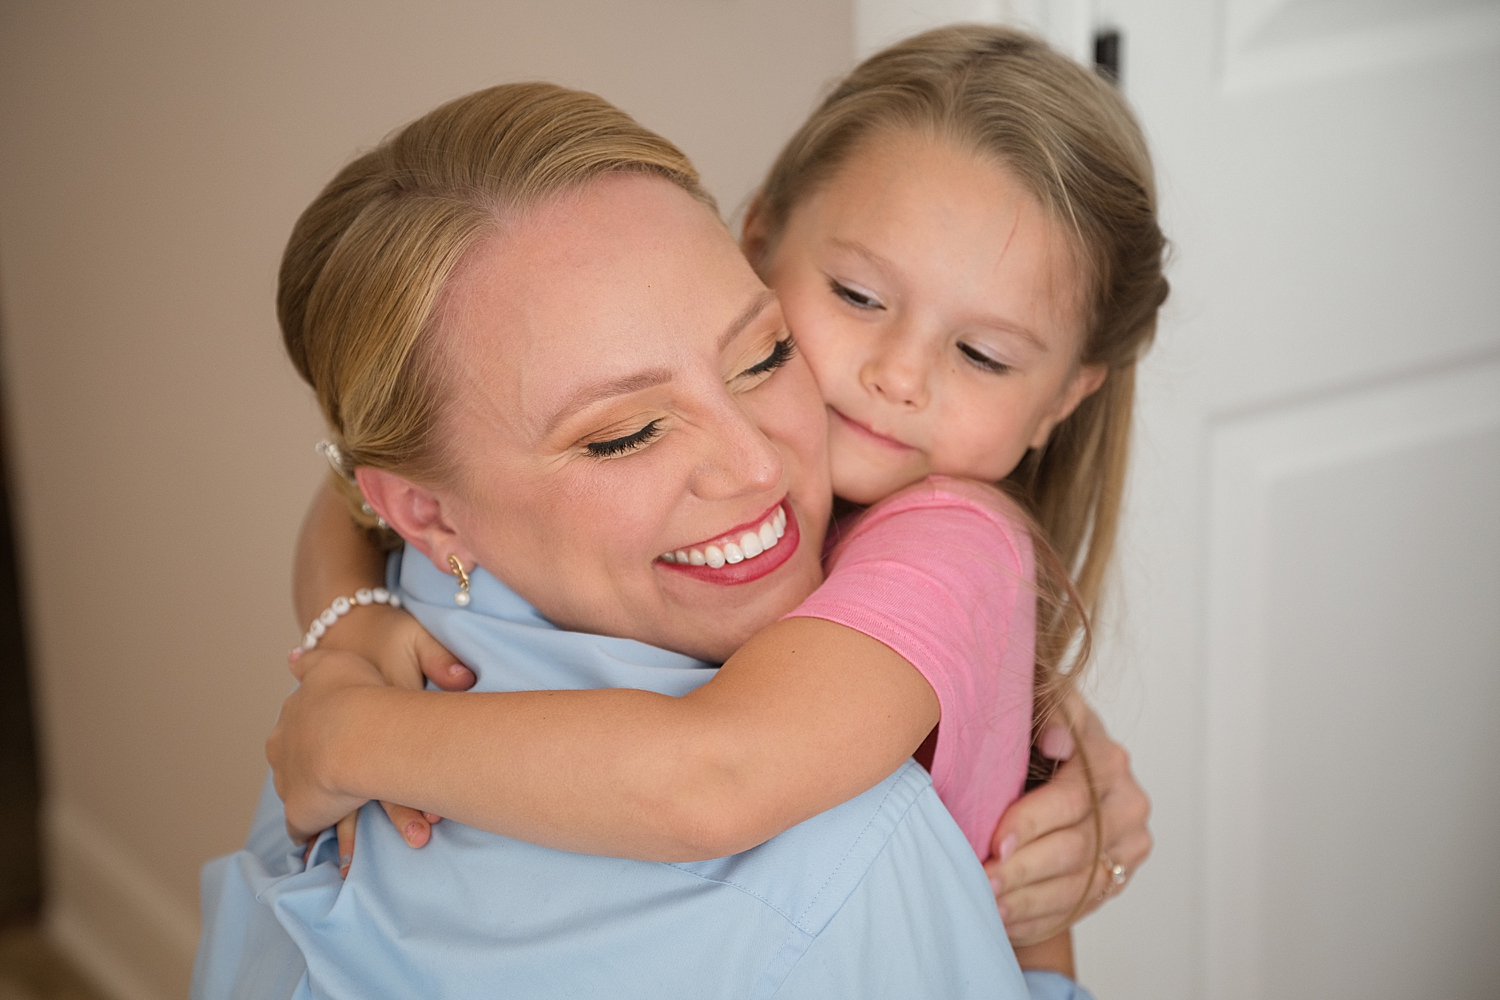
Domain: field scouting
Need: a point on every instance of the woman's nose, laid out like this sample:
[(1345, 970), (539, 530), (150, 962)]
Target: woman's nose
[(897, 370), (739, 460)]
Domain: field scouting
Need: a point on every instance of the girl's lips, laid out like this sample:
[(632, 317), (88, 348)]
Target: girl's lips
[(869, 433), (744, 570)]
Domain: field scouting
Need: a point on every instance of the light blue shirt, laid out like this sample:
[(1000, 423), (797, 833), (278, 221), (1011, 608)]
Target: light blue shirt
[(880, 896)]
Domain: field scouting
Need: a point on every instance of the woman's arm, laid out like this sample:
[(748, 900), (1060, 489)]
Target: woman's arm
[(807, 715)]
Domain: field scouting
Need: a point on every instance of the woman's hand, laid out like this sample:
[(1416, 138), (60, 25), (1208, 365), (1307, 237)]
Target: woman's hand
[(1045, 850), (300, 747)]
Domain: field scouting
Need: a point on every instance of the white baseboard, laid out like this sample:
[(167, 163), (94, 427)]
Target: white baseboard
[(110, 915)]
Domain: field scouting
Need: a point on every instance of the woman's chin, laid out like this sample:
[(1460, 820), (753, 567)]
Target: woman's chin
[(713, 620)]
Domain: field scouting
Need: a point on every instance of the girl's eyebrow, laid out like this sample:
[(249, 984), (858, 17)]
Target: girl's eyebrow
[(880, 263)]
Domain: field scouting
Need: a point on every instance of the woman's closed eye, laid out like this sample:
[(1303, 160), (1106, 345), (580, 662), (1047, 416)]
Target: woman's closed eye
[(856, 298), (781, 352), (981, 360), (626, 444)]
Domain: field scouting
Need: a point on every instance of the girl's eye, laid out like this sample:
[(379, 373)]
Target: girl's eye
[(628, 443), (984, 361), (858, 300), (781, 352)]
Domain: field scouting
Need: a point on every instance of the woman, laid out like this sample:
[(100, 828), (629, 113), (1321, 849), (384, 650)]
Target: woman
[(456, 285)]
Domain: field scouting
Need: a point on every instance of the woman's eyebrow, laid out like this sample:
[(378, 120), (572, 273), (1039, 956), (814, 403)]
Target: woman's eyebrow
[(755, 308), (588, 395), (598, 391)]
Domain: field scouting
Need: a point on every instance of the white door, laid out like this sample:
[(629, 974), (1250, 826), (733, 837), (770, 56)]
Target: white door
[(1307, 660)]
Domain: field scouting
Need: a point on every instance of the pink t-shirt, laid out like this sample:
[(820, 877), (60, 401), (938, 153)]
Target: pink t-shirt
[(942, 573)]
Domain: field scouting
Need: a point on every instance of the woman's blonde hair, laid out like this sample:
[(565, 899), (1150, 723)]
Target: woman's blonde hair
[(367, 261), (1068, 136)]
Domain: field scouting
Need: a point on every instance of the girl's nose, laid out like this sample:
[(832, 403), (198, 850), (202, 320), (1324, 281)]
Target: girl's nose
[(738, 460), (897, 370)]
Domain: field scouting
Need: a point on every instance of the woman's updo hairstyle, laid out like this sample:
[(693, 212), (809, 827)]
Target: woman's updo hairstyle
[(367, 261)]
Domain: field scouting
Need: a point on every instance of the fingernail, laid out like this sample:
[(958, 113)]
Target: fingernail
[(344, 862), (995, 884), (1007, 846), (412, 829), (1056, 743), (295, 654)]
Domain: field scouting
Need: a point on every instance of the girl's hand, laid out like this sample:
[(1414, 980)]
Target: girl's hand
[(298, 747), (398, 646), (423, 650), (1044, 846)]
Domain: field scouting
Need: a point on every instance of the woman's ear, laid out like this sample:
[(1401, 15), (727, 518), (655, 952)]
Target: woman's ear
[(414, 512), (1084, 383)]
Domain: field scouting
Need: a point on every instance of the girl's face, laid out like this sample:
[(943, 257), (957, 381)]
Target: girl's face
[(940, 309), (622, 388)]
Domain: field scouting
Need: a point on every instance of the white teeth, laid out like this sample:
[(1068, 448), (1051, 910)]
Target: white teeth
[(750, 543), (747, 546)]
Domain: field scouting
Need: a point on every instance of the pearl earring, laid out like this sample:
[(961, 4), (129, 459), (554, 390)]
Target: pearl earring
[(462, 597)]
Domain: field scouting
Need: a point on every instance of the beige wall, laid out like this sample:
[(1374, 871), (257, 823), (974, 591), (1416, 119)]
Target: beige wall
[(153, 156)]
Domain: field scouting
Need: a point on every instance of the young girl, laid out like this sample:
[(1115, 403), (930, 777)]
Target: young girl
[(963, 239)]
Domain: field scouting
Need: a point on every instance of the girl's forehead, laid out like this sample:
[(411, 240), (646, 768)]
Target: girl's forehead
[(942, 223)]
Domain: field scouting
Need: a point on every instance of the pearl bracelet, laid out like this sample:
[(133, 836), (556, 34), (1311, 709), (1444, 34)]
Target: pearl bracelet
[(341, 606)]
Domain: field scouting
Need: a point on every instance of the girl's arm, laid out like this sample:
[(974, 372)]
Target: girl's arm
[(335, 557), (805, 716)]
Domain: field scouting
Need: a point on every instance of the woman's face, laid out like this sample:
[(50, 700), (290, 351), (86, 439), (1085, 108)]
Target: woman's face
[(623, 389)]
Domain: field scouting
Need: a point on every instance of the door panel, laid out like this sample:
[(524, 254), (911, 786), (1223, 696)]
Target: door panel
[(1302, 651)]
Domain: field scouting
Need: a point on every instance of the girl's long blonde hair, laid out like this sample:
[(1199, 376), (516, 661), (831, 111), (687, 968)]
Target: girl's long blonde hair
[(367, 261), (1069, 136)]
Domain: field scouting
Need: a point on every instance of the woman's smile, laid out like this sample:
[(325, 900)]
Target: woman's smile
[(744, 553)]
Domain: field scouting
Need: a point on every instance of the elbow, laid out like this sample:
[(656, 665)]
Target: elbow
[(711, 810), (710, 832)]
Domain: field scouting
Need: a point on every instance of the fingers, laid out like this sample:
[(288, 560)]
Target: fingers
[(442, 667), (1041, 909), (345, 831), (415, 827), (1060, 853), (1061, 802)]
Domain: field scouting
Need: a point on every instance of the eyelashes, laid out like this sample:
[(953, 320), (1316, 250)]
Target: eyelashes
[(858, 300), (628, 443), (983, 361), (781, 352)]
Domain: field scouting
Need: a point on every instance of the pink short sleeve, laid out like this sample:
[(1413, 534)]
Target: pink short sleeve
[(942, 573)]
